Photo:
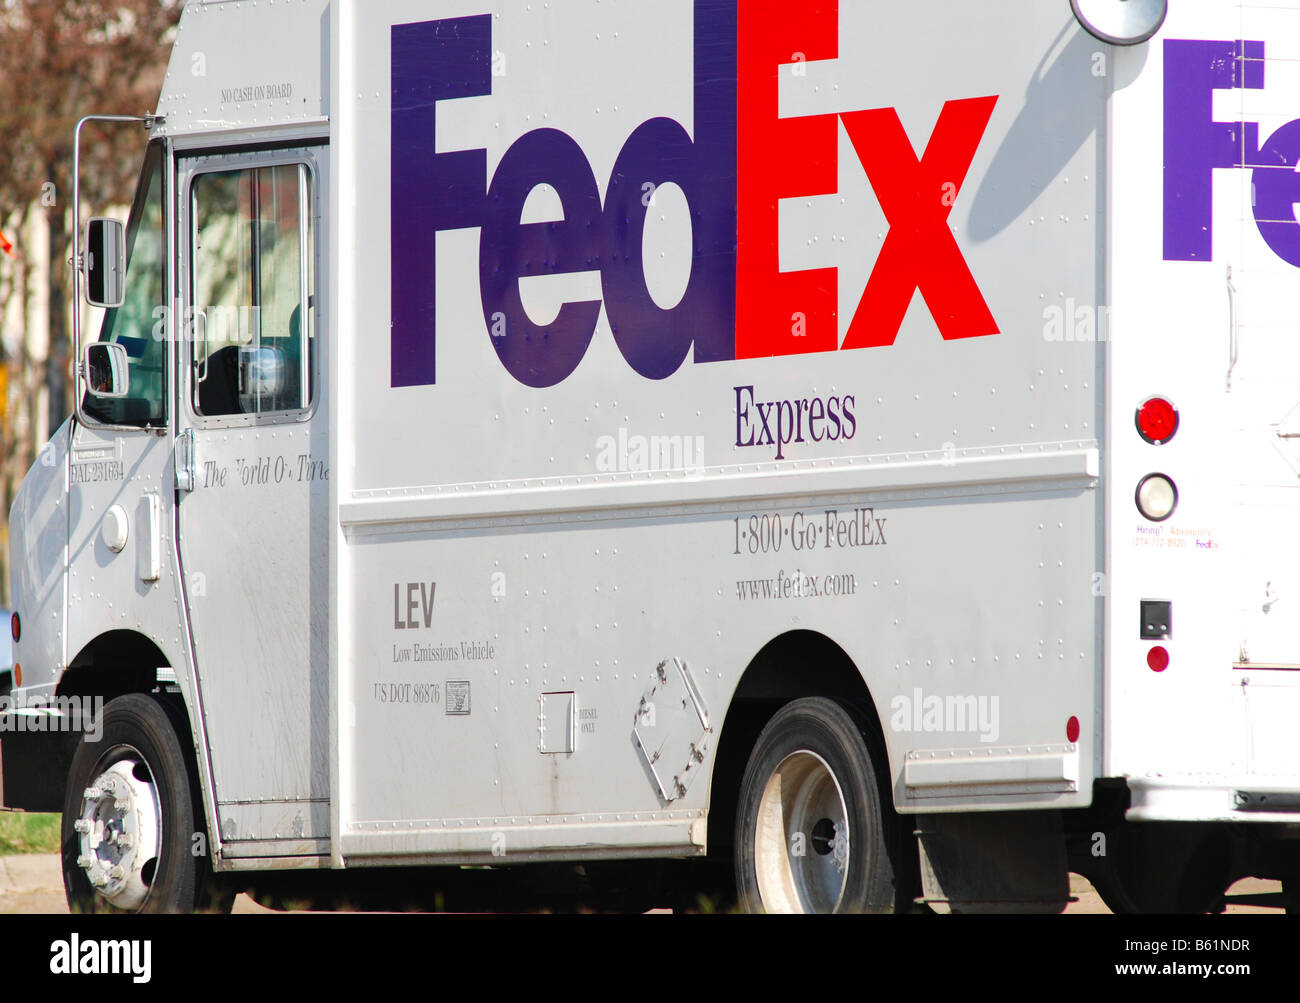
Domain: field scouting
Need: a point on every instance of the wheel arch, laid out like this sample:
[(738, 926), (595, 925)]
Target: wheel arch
[(793, 665), (35, 763), (114, 664)]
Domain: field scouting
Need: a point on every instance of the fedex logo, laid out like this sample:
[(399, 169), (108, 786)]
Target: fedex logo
[(1196, 145), (734, 172)]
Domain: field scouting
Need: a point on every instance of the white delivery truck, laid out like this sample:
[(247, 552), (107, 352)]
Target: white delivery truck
[(858, 442)]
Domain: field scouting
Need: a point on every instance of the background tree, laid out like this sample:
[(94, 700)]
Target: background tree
[(59, 61)]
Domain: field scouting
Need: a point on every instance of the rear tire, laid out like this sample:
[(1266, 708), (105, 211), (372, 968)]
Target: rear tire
[(129, 846), (813, 834)]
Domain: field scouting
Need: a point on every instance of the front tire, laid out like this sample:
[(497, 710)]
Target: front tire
[(130, 814), (813, 834)]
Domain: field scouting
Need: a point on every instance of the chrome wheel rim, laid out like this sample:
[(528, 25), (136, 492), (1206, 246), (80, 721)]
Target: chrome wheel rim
[(120, 831), (801, 845)]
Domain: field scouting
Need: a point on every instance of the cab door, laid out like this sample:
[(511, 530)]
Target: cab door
[(253, 477), (120, 497)]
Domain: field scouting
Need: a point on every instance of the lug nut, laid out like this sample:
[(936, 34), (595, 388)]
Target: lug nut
[(85, 862), (82, 825), (93, 793), (116, 873), (122, 804)]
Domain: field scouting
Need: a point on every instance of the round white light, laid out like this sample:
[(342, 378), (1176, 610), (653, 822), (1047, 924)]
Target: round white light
[(1157, 497), (1121, 22), (116, 529)]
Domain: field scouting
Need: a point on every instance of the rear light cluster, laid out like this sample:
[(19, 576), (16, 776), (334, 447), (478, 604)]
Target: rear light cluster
[(1157, 494), (1157, 500)]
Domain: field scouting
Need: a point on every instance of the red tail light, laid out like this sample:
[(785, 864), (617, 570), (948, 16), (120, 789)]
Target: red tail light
[(1157, 421)]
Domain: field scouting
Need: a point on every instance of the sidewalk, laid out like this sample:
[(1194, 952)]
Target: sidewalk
[(32, 884)]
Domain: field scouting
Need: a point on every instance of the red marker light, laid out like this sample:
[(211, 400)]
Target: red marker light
[(18, 674), (16, 627), (1157, 421), (1072, 730), (1158, 659)]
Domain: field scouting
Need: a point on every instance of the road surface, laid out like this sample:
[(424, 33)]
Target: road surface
[(34, 884)]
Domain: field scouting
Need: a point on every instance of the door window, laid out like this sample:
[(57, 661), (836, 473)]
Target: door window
[(139, 324), (253, 297)]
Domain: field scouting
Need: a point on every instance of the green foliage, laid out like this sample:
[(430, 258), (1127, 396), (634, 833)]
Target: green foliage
[(20, 833), (69, 59), (60, 60)]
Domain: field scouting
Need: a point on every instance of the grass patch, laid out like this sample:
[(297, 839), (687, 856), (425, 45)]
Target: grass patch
[(20, 833)]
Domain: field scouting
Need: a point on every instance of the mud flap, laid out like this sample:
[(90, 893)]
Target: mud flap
[(993, 863)]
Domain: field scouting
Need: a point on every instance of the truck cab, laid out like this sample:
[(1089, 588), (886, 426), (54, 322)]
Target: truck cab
[(196, 465)]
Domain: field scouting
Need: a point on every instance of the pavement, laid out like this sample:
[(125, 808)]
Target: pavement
[(31, 884), (34, 884)]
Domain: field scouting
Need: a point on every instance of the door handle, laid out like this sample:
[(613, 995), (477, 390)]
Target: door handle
[(184, 461)]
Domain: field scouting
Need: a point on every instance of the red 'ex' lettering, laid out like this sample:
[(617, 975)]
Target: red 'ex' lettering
[(917, 197)]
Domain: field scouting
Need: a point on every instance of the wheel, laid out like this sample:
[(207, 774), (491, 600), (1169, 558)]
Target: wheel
[(812, 832), (129, 816)]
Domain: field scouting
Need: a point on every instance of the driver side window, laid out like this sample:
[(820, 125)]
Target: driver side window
[(253, 297), (138, 325)]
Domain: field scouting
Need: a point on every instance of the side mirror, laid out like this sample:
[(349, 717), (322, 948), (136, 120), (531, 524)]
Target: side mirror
[(1121, 22), (107, 369), (105, 263)]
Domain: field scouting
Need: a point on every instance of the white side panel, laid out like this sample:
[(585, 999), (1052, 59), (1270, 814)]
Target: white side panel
[(502, 541)]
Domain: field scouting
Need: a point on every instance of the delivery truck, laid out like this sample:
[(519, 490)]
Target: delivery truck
[(853, 448)]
